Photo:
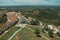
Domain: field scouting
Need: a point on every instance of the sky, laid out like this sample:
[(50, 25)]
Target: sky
[(29, 2)]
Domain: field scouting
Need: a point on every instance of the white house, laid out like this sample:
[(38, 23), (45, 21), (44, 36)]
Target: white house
[(55, 29), (50, 26)]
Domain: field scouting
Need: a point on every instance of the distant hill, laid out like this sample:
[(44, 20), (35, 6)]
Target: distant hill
[(30, 6)]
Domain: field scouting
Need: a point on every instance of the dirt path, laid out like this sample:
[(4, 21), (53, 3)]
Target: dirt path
[(17, 31)]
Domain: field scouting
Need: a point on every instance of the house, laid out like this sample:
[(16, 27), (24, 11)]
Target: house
[(11, 16), (50, 26), (22, 19), (11, 20), (54, 28)]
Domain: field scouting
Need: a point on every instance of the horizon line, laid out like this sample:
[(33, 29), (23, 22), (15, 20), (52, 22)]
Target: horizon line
[(29, 5)]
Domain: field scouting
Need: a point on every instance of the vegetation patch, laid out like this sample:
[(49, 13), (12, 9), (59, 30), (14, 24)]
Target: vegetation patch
[(26, 34), (9, 33)]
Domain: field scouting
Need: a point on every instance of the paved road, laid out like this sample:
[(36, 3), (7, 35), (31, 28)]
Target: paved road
[(40, 34), (22, 26)]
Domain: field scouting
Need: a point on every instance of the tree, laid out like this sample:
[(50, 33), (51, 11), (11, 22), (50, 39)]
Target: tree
[(50, 32), (34, 22), (46, 28), (3, 19), (37, 32), (58, 34)]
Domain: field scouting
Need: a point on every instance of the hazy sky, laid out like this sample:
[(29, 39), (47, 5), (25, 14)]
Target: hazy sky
[(29, 2)]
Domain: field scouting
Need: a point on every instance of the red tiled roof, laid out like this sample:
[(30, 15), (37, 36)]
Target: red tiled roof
[(13, 18)]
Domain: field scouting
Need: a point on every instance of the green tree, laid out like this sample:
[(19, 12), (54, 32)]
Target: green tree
[(37, 32), (46, 28), (50, 32), (58, 34), (3, 19), (34, 22)]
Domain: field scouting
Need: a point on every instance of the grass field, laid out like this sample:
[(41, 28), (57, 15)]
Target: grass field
[(45, 34), (9, 33), (26, 34)]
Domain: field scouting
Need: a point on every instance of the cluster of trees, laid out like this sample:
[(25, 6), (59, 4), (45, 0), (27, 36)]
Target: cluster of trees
[(3, 19), (34, 22), (46, 15), (37, 32), (47, 29), (50, 31)]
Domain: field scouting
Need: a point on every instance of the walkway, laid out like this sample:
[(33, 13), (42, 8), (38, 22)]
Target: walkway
[(22, 26)]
